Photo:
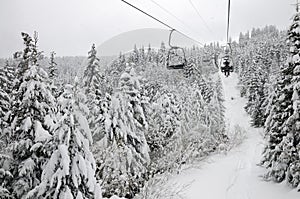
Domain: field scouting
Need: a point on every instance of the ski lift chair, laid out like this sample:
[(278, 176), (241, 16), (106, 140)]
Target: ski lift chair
[(176, 58)]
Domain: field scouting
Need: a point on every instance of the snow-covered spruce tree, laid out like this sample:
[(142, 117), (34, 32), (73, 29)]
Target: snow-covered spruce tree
[(253, 87), (244, 73), (216, 120), (279, 112), (134, 56), (31, 121), (4, 134), (150, 56), (7, 77), (4, 99), (70, 171), (268, 104), (56, 87), (189, 69), (193, 108), (205, 120), (5, 159), (92, 69), (93, 82), (164, 135), (5, 175), (114, 72), (122, 164), (152, 90), (52, 66), (219, 100), (142, 56), (256, 94), (205, 85), (291, 144), (10, 70), (281, 155), (162, 55), (197, 137)]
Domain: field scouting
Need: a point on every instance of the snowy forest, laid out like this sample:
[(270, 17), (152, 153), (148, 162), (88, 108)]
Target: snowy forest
[(82, 127)]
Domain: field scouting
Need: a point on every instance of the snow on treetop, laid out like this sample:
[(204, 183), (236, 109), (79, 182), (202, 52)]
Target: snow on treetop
[(41, 134), (27, 124), (296, 58)]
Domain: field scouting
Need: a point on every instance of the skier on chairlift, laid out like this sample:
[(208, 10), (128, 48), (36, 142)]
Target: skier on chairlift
[(226, 66)]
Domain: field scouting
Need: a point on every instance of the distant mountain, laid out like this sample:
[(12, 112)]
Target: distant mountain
[(125, 42)]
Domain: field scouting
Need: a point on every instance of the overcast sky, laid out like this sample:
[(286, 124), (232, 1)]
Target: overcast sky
[(69, 27)]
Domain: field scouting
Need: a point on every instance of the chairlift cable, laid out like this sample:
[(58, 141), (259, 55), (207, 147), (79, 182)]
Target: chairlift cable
[(198, 13), (165, 24), (173, 15)]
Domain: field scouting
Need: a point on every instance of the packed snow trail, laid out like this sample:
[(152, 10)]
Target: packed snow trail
[(234, 175)]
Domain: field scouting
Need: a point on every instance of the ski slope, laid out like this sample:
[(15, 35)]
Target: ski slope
[(234, 175)]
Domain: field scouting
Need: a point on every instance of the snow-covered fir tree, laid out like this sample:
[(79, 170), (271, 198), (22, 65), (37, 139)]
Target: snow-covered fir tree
[(93, 81), (150, 56), (125, 151), (280, 111), (205, 116), (5, 159), (31, 121), (281, 155), (142, 55), (134, 56), (8, 72), (291, 143), (164, 136), (218, 102), (256, 94), (70, 171), (114, 72), (4, 98), (5, 174), (92, 68), (52, 66), (162, 54), (56, 87), (205, 87)]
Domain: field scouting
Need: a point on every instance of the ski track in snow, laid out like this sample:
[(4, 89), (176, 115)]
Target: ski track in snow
[(236, 174)]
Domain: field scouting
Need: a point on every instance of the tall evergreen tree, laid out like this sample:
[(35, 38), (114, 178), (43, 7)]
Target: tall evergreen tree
[(30, 121), (52, 66), (162, 54), (142, 55), (150, 54), (70, 171), (134, 56), (53, 75), (165, 136), (291, 143), (125, 151), (7, 77), (4, 97), (5, 174), (281, 153), (256, 93), (94, 89), (219, 100)]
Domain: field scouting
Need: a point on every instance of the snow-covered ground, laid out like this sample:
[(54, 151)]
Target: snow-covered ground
[(234, 175)]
